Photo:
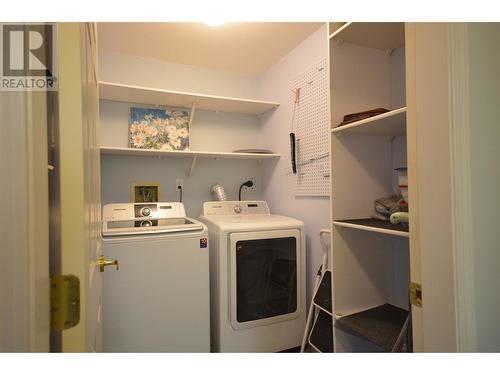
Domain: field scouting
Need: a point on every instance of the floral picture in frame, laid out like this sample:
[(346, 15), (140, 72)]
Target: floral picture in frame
[(159, 129)]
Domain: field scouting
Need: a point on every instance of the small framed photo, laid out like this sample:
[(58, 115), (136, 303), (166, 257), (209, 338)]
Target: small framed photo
[(159, 129)]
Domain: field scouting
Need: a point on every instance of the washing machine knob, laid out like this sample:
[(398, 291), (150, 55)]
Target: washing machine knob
[(238, 209), (145, 211), (146, 223)]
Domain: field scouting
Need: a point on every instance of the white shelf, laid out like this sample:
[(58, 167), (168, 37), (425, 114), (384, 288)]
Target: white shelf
[(184, 154), (371, 226), (194, 155), (392, 123), (385, 36), (151, 96)]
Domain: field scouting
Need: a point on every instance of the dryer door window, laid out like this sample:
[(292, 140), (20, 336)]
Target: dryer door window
[(266, 278)]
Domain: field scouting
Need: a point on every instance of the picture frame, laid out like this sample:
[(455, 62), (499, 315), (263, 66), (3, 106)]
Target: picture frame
[(159, 128)]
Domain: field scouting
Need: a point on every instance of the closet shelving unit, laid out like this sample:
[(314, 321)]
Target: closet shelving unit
[(153, 96), (370, 257)]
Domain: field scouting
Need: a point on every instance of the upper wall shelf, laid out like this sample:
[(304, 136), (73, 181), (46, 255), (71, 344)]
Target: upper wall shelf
[(385, 36), (185, 154), (144, 95), (392, 123), (194, 155)]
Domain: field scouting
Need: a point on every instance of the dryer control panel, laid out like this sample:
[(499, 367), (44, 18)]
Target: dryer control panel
[(235, 208)]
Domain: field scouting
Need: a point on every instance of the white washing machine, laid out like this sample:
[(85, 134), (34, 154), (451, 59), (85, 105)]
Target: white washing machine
[(257, 277), (158, 300)]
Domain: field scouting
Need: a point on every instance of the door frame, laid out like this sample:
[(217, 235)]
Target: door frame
[(430, 177), (463, 244), (80, 178)]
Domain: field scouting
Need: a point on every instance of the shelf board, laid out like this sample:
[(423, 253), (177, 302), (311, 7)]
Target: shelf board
[(392, 123), (151, 96), (385, 36), (374, 225), (184, 154), (380, 325)]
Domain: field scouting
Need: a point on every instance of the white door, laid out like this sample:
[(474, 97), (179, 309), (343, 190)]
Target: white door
[(80, 212), (24, 270)]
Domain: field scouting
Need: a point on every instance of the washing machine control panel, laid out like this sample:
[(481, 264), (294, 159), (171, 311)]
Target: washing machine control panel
[(144, 210), (235, 208), (150, 211), (144, 218)]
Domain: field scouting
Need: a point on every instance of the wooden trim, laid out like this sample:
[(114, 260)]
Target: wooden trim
[(461, 188)]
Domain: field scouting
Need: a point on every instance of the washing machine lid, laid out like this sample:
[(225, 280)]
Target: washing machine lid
[(244, 216), (120, 219)]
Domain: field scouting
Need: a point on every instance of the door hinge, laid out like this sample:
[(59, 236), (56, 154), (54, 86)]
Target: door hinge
[(64, 302), (416, 294)]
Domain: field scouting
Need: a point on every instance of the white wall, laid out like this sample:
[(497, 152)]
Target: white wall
[(278, 187), (210, 131), (135, 70), (398, 82), (118, 172)]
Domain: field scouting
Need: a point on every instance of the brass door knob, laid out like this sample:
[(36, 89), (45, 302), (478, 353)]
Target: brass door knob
[(102, 262)]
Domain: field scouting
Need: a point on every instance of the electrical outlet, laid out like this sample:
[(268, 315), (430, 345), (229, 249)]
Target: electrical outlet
[(253, 186), (179, 182)]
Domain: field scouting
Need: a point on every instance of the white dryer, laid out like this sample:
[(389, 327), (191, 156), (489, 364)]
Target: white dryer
[(257, 277), (158, 301)]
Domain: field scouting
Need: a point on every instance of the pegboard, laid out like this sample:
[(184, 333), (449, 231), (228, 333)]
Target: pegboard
[(311, 128)]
